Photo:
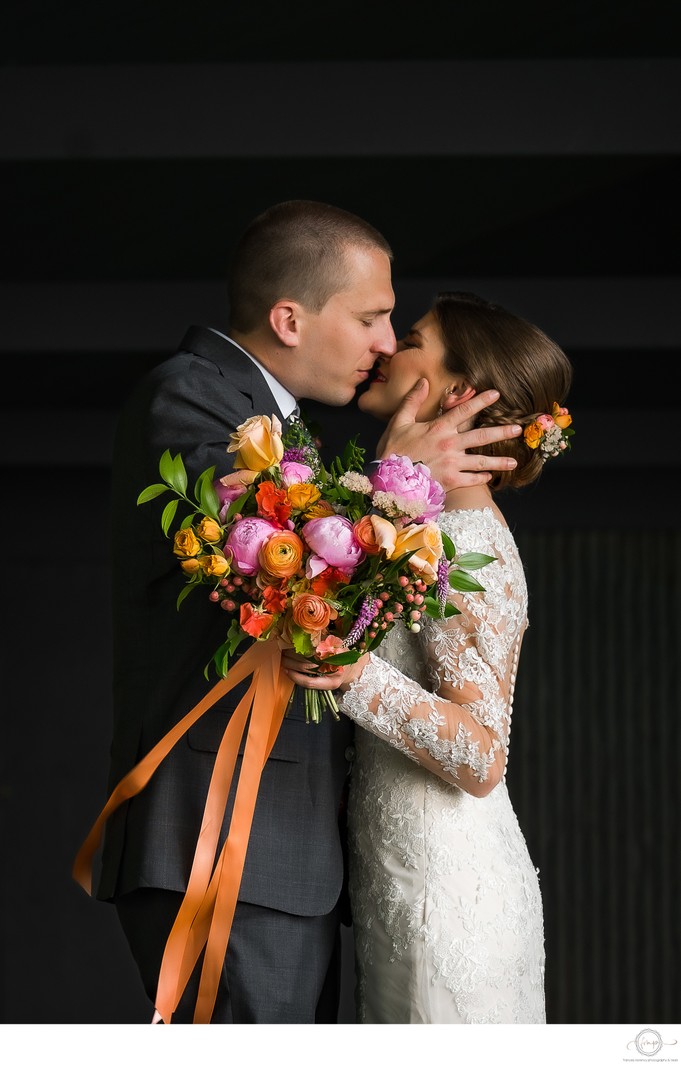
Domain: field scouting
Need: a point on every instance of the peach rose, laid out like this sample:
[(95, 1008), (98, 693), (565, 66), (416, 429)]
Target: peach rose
[(190, 566), (257, 443), (185, 543), (311, 613), (425, 541), (282, 554), (533, 434), (321, 509), (561, 416)]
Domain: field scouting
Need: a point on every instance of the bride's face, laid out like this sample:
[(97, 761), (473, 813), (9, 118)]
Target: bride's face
[(420, 354)]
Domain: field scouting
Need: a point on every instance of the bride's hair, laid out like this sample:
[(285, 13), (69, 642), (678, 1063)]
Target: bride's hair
[(493, 348), (294, 250)]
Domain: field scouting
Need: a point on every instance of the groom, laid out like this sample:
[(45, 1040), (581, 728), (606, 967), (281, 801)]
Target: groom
[(310, 299)]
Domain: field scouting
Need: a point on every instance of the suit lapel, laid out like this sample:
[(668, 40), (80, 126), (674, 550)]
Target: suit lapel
[(241, 372)]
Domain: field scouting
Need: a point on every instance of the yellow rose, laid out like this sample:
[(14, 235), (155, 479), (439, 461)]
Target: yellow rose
[(561, 416), (320, 509), (209, 530), (257, 443), (425, 541), (190, 566), (302, 496), (185, 543), (533, 434), (214, 565)]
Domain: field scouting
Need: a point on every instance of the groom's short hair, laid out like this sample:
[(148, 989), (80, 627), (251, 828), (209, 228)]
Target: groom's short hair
[(295, 250)]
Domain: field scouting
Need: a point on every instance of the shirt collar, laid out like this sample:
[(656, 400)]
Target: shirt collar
[(285, 400)]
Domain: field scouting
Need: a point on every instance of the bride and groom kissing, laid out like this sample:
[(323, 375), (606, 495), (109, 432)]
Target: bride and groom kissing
[(402, 803)]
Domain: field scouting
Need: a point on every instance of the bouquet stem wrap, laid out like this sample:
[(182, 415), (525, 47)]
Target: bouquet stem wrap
[(204, 919)]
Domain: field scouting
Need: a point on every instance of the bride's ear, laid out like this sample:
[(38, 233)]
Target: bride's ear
[(457, 394)]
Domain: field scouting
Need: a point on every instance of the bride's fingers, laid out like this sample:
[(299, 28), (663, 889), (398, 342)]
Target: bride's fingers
[(319, 681)]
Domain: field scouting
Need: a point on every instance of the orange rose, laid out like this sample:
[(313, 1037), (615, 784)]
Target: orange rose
[(311, 613), (253, 621), (533, 434), (425, 541), (214, 565), (282, 554), (185, 543), (209, 530), (375, 534), (302, 496)]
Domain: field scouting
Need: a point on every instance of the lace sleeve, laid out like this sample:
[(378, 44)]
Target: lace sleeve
[(465, 744)]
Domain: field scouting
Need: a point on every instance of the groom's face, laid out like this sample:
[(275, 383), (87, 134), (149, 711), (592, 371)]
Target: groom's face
[(339, 346)]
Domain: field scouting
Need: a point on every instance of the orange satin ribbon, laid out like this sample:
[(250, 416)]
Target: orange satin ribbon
[(204, 919)]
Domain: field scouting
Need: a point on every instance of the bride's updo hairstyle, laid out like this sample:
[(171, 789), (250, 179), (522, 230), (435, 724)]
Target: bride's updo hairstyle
[(493, 348)]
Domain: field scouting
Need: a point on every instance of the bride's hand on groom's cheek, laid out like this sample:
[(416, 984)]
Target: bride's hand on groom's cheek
[(443, 443)]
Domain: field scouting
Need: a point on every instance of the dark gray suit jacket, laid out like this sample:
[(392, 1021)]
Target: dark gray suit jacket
[(190, 403)]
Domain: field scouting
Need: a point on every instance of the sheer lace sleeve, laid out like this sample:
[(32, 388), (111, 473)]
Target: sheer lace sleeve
[(465, 744)]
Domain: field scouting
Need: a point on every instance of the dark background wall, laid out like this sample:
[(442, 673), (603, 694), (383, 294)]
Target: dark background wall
[(529, 152)]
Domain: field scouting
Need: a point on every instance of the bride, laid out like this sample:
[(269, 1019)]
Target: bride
[(446, 904)]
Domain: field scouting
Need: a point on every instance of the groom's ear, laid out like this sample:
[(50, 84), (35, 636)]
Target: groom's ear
[(284, 321)]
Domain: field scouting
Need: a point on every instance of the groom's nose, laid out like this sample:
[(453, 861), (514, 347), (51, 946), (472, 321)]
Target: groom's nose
[(386, 342)]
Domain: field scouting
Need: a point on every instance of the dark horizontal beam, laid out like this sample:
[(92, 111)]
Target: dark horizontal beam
[(580, 312), (334, 109)]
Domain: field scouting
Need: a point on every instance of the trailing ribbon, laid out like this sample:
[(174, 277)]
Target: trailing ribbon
[(204, 919)]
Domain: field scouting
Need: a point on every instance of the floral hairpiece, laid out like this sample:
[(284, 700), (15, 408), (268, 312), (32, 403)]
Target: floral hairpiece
[(550, 432)]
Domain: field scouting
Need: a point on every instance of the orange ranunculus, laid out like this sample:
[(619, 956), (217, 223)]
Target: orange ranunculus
[(190, 566), (209, 530), (185, 543), (282, 554), (320, 509), (561, 416), (257, 442), (214, 565), (376, 532), (311, 613), (533, 434), (425, 540), (272, 503), (274, 599), (254, 622), (302, 496)]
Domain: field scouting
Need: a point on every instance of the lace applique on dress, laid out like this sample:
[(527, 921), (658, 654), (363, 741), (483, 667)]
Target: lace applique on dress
[(447, 909)]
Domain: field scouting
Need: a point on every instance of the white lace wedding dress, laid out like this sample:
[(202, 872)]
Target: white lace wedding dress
[(446, 906)]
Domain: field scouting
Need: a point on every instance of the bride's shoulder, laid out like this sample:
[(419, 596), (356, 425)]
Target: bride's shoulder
[(473, 528)]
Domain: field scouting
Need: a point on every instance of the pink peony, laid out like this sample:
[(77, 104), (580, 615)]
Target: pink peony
[(333, 542), (295, 473), (244, 541), (411, 484)]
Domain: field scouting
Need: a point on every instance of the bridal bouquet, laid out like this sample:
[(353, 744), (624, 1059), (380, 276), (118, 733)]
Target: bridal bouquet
[(325, 561)]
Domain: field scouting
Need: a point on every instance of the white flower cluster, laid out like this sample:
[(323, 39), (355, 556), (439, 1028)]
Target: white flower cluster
[(395, 507), (552, 442), (356, 482)]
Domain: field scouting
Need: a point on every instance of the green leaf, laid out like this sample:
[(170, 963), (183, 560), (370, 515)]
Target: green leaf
[(343, 658), (447, 543), (237, 505), (206, 495), (302, 642), (151, 492), (474, 560), (463, 582), (221, 660), (168, 515), (179, 476), (188, 588), (165, 467), (235, 635)]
